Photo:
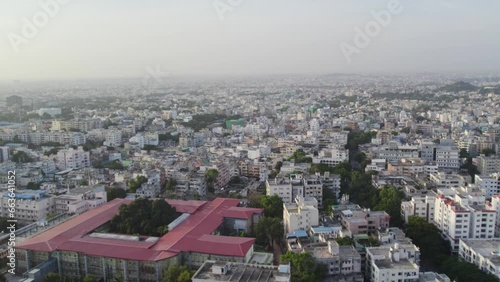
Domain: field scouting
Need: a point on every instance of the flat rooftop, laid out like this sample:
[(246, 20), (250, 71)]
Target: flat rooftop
[(240, 272)]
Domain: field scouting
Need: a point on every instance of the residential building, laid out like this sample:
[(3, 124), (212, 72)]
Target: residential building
[(420, 205), (488, 165), (363, 221), (224, 271), (31, 205), (281, 187), (301, 215), (341, 261), (484, 253), (490, 184), (190, 240), (446, 180), (392, 263), (462, 213), (72, 159)]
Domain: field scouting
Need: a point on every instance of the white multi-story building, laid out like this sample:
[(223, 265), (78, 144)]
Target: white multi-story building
[(484, 253), (340, 260), (447, 157), (394, 152), (462, 213), (113, 138), (301, 215), (281, 187), (4, 154), (488, 165), (72, 159), (31, 206), (490, 184), (392, 263), (421, 206), (495, 205), (445, 180), (332, 156)]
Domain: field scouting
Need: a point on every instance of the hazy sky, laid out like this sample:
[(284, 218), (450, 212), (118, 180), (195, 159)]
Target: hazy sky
[(121, 38)]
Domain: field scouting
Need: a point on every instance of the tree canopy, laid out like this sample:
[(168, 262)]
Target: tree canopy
[(304, 267), (134, 184), (114, 193), (177, 273), (143, 217)]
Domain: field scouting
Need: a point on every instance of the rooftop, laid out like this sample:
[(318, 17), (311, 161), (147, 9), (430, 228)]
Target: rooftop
[(192, 235), (241, 272)]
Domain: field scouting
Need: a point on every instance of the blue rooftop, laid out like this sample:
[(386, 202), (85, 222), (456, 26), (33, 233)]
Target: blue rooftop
[(298, 233)]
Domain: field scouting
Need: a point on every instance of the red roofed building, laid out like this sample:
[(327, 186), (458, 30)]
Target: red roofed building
[(80, 249)]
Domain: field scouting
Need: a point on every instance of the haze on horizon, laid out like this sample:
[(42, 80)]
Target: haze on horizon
[(110, 39)]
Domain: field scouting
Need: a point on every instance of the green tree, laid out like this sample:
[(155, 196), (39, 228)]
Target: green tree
[(487, 151), (33, 186), (114, 193), (345, 241), (211, 177), (300, 157), (177, 273), (133, 184), (52, 151), (89, 278), (272, 205), (304, 267), (185, 276), (52, 277), (269, 230), (406, 130), (21, 157), (463, 153), (170, 185), (143, 217), (389, 200)]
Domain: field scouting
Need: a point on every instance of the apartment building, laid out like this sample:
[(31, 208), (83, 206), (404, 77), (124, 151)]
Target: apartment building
[(446, 180), (332, 156), (281, 187), (462, 213), (341, 261), (490, 184), (31, 205), (421, 206), (313, 187), (301, 215), (394, 151), (363, 221), (410, 167), (72, 159), (113, 138), (484, 253), (495, 205), (392, 263), (447, 157), (488, 165)]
